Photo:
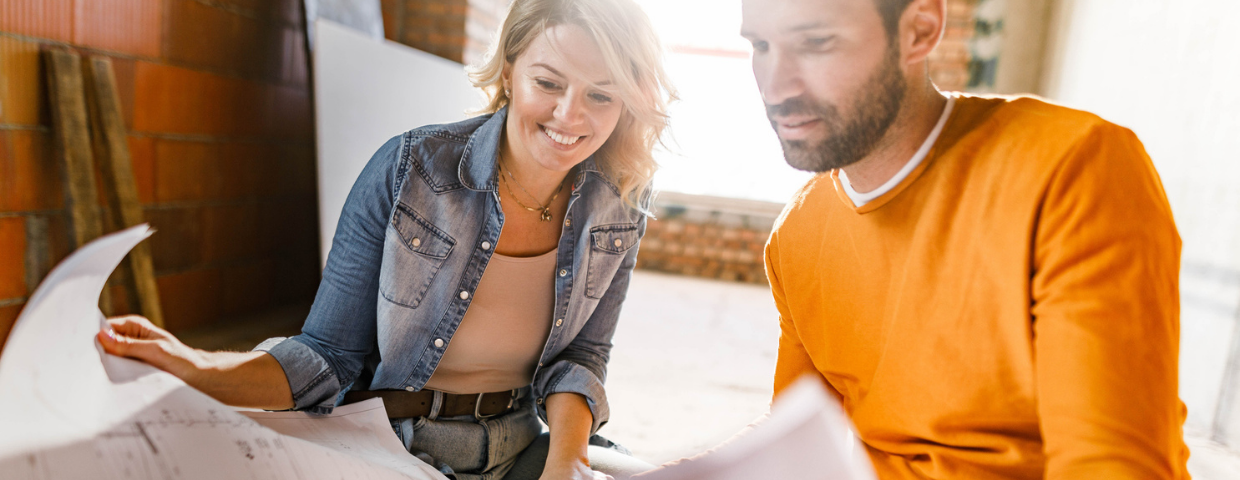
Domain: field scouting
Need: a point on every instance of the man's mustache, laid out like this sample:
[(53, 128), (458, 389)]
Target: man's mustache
[(791, 106)]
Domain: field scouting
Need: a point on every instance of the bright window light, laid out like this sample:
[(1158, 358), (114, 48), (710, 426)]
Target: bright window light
[(721, 143)]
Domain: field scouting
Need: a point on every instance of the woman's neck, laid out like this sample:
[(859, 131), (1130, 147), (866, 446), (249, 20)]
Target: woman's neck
[(540, 182)]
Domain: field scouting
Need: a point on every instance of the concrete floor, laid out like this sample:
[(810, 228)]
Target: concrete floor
[(692, 364)]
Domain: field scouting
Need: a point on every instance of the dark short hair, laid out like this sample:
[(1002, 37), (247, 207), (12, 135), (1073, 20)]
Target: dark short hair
[(891, 10)]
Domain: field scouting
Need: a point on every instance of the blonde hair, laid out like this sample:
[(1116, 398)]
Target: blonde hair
[(632, 53)]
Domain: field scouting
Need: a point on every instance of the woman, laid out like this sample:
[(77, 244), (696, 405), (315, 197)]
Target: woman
[(478, 268)]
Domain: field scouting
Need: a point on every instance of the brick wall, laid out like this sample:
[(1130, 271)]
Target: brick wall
[(949, 64), (709, 237), (216, 101), (458, 30)]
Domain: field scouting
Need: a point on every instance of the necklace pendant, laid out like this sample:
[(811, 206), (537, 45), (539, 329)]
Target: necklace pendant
[(546, 215)]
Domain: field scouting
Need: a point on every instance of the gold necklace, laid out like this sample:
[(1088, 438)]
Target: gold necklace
[(545, 209)]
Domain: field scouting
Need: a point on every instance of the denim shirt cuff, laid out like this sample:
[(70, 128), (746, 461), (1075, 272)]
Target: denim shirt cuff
[(569, 377), (310, 378)]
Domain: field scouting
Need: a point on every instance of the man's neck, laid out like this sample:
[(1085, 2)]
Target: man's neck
[(918, 114)]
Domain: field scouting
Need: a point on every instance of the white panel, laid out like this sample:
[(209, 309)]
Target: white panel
[(365, 92)]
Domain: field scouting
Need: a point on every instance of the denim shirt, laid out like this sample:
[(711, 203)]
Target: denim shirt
[(413, 241)]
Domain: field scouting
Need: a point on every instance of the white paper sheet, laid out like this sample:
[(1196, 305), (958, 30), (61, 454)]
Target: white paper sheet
[(807, 437), (68, 410)]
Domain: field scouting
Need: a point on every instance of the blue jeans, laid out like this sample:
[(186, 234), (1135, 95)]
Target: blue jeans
[(488, 449)]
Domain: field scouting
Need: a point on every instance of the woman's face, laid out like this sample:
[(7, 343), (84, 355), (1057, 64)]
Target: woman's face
[(563, 106)]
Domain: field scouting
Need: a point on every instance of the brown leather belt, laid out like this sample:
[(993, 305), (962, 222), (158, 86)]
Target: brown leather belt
[(401, 404)]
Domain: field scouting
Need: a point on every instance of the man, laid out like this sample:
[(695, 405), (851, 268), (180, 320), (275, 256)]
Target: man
[(989, 285)]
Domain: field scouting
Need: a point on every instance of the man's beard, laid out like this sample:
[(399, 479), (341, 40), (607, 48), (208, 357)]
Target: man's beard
[(848, 140)]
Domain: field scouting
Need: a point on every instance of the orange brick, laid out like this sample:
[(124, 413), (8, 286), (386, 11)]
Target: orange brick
[(205, 35), (51, 19), (142, 155), (129, 26), (21, 89), (123, 68), (35, 182), (171, 99), (8, 315), (187, 171), (190, 299), (12, 257)]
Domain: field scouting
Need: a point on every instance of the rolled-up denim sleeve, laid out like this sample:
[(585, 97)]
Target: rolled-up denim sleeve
[(582, 367), (340, 331)]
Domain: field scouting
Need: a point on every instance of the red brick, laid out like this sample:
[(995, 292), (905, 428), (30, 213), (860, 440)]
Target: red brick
[(204, 35), (230, 233), (22, 94), (51, 19), (12, 257), (186, 171), (33, 176), (8, 315), (249, 287), (142, 156), (190, 299), (177, 243), (129, 26)]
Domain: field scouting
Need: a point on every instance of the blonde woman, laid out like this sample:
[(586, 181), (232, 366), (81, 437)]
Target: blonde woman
[(478, 268)]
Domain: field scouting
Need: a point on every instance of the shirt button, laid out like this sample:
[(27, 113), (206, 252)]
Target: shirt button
[(567, 222), (540, 364), (563, 272), (618, 243), (464, 295), (438, 343), (408, 389), (417, 242), (486, 245), (540, 400), (559, 322)]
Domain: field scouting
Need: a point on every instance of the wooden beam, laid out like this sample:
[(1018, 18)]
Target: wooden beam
[(112, 145), (70, 129)]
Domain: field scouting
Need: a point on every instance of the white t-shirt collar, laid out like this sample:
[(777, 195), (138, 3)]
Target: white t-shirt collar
[(860, 199)]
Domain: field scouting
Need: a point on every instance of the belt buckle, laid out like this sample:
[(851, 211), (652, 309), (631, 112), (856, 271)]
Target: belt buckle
[(478, 406)]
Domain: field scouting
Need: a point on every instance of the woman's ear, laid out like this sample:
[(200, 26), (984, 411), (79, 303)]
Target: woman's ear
[(505, 77)]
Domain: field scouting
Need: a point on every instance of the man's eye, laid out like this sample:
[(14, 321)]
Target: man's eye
[(818, 42), (760, 46)]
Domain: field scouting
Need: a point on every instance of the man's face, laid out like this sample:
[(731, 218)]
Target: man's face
[(831, 80)]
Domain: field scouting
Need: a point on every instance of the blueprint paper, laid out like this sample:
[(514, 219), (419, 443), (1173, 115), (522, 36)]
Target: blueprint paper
[(68, 410), (807, 436)]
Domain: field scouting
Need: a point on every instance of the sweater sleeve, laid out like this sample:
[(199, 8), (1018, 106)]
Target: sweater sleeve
[(793, 361), (1106, 315)]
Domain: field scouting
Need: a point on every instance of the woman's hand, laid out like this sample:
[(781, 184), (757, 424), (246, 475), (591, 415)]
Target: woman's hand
[(242, 379), (136, 337), (570, 470)]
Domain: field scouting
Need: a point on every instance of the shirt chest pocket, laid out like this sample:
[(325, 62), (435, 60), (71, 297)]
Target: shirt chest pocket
[(608, 246), (413, 252)]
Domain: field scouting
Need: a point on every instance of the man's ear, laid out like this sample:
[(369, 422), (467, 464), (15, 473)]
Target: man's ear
[(921, 28)]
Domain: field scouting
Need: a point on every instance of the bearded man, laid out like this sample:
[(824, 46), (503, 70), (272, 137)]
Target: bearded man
[(988, 285)]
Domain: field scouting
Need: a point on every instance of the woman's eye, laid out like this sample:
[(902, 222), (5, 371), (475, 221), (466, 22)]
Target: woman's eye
[(600, 98), (547, 85)]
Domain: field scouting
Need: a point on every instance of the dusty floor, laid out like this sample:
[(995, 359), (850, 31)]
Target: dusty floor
[(692, 364)]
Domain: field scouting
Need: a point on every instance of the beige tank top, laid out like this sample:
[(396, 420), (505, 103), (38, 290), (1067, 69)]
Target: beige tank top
[(505, 329)]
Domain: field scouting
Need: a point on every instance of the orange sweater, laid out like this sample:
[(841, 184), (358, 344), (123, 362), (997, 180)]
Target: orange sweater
[(1010, 310)]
